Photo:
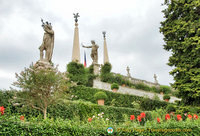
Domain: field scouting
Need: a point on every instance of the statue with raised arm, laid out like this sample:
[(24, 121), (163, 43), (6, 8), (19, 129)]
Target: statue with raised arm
[(48, 42), (76, 17), (94, 52)]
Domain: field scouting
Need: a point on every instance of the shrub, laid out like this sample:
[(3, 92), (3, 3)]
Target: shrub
[(171, 108), (148, 104), (166, 97), (165, 89), (76, 73), (114, 86), (106, 68), (100, 95), (142, 86)]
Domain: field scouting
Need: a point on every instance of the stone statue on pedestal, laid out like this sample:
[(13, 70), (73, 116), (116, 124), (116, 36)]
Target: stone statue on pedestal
[(155, 78), (47, 46), (94, 52), (128, 72), (48, 42)]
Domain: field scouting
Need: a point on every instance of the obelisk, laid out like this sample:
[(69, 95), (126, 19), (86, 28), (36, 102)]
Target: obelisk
[(76, 47), (105, 50)]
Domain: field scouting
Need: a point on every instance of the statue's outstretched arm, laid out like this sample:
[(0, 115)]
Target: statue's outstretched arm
[(86, 46)]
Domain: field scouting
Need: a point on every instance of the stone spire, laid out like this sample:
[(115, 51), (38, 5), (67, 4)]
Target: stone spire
[(105, 55), (76, 47)]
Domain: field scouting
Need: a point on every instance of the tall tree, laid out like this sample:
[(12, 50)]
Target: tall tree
[(181, 30), (40, 87)]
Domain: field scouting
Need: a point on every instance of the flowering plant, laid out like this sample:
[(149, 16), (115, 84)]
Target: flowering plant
[(2, 110)]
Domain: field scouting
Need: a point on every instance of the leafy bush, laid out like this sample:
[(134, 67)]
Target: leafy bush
[(148, 104), (143, 87), (171, 108), (166, 97), (106, 68), (165, 89), (13, 126), (76, 73), (100, 95), (114, 86)]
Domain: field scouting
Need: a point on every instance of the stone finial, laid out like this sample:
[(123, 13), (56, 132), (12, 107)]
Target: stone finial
[(104, 34), (128, 71), (76, 17), (155, 79)]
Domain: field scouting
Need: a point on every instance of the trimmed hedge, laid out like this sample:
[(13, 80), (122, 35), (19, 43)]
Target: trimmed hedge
[(13, 126), (100, 95), (116, 99), (83, 110)]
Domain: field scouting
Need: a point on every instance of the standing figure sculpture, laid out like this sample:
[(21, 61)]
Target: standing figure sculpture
[(94, 52), (48, 42)]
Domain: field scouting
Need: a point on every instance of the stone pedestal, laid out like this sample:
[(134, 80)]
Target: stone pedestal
[(96, 69), (42, 64)]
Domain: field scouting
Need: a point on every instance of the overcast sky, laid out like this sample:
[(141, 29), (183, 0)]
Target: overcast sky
[(132, 27)]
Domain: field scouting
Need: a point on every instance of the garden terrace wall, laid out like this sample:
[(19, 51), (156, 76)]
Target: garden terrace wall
[(115, 99), (125, 90)]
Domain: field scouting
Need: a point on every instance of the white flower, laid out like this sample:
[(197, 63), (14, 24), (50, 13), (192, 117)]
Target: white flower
[(102, 113), (101, 116), (93, 116), (107, 119)]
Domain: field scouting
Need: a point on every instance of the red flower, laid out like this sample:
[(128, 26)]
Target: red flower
[(22, 118), (2, 110), (167, 117), (179, 117), (195, 116), (158, 120), (189, 116), (132, 117), (142, 115), (139, 118), (89, 119)]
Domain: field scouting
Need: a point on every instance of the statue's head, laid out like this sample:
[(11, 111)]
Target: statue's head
[(92, 41)]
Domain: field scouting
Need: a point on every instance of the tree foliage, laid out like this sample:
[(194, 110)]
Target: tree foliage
[(40, 87), (181, 30), (77, 73)]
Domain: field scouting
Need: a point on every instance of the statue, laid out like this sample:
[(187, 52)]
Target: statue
[(128, 71), (76, 17), (48, 42), (94, 52), (155, 78)]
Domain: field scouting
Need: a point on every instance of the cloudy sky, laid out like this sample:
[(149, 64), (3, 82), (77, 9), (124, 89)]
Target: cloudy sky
[(132, 27)]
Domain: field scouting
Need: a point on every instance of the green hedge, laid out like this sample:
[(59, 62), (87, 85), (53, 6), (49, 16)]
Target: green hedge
[(116, 99), (83, 110), (13, 126)]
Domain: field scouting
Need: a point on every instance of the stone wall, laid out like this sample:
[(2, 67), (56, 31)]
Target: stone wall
[(137, 81), (126, 90)]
